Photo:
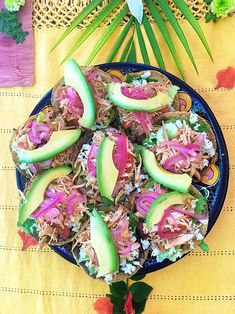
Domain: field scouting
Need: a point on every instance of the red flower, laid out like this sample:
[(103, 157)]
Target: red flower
[(226, 78), (27, 240), (128, 308), (103, 306)]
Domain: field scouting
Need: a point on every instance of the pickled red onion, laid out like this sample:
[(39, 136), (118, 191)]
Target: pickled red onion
[(91, 161), (45, 206), (190, 213), (136, 93), (145, 200), (144, 119), (120, 154)]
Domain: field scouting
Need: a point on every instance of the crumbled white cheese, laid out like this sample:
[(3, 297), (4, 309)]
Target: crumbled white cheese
[(146, 74), (128, 268), (145, 244), (193, 118), (135, 253), (191, 245), (198, 235), (196, 126), (207, 147), (108, 278), (128, 188), (194, 203), (155, 250), (139, 82), (84, 152), (178, 123), (204, 163)]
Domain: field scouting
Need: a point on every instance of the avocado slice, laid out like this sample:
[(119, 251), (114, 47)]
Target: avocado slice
[(74, 77), (152, 104), (103, 244), (58, 142), (164, 201), (174, 181), (107, 173), (35, 195)]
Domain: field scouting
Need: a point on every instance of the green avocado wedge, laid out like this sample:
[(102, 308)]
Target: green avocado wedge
[(107, 173), (74, 77), (155, 103), (103, 244), (35, 194), (177, 182), (164, 201), (58, 142)]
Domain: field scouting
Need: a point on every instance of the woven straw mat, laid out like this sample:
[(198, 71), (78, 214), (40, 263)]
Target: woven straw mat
[(60, 13)]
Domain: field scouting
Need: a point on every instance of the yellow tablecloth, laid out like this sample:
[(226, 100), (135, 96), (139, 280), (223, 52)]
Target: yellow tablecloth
[(43, 282)]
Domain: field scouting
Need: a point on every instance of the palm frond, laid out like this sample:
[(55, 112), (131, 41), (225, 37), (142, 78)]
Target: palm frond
[(175, 25), (192, 20), (165, 33), (109, 31), (126, 50), (142, 43), (120, 40), (93, 26), (132, 54), (153, 42), (88, 9)]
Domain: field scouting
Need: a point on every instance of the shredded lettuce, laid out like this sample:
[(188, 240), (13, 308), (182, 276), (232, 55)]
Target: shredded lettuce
[(200, 205), (172, 254)]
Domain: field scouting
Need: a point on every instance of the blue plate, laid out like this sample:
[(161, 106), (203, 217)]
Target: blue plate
[(215, 194)]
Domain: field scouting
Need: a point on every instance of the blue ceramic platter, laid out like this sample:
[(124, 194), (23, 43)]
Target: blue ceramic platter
[(215, 194)]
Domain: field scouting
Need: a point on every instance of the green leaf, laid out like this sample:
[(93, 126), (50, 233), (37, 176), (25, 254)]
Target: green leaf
[(132, 54), (88, 9), (107, 201), (138, 277), (93, 26), (133, 222), (209, 16), (126, 50), (118, 304), (204, 246), (142, 43), (153, 43), (118, 289), (139, 307), (106, 35), (140, 291), (165, 33), (120, 40), (149, 185), (175, 25), (194, 23)]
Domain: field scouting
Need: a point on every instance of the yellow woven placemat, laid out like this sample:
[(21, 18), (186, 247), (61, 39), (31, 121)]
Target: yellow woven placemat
[(44, 283)]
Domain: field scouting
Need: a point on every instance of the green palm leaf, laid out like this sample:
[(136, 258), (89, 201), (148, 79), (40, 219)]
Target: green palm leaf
[(91, 6), (153, 42), (192, 20), (141, 43), (126, 50), (132, 54), (109, 31), (173, 21), (92, 27), (120, 40), (165, 33)]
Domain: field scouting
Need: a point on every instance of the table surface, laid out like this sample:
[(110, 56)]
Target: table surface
[(42, 282)]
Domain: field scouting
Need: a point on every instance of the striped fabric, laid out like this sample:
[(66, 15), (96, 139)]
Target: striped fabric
[(42, 282)]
